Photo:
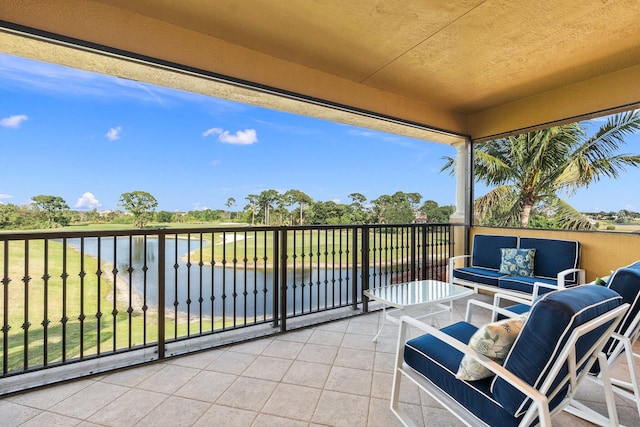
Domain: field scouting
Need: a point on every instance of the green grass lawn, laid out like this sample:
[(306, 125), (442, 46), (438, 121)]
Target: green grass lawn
[(45, 306)]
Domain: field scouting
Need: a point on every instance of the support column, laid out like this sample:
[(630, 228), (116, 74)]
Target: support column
[(461, 182), (463, 214)]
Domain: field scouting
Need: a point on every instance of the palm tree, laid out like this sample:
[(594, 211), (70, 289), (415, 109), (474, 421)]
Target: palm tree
[(529, 170)]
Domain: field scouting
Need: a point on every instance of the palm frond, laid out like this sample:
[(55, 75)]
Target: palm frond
[(568, 218), (495, 205), (597, 156)]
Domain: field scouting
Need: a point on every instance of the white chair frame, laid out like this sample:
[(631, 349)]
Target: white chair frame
[(628, 389), (540, 403), (623, 349)]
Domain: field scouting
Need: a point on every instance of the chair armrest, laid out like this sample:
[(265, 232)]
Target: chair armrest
[(499, 296), (538, 398), (537, 285), (452, 261), (495, 310), (564, 273)]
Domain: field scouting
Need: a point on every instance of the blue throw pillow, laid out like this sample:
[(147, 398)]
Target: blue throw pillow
[(517, 262)]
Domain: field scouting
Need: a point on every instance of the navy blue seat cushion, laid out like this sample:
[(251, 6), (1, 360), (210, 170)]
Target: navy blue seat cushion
[(517, 309), (486, 250), (551, 321), (553, 256), (439, 362), (525, 284), (478, 275)]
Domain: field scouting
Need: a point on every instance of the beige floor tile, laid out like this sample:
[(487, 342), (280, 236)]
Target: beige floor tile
[(359, 341), (175, 412), (128, 409), (307, 374), (300, 335), (283, 349), (318, 353), (384, 362), (293, 401), (168, 379), (380, 415), (369, 329), (333, 327), (341, 409), (218, 415), (232, 362), (14, 414), (198, 360), (326, 338), (247, 393), (50, 419), (268, 368), (266, 420), (352, 358), (206, 386), (45, 398), (349, 380), (89, 400), (131, 377), (253, 347)]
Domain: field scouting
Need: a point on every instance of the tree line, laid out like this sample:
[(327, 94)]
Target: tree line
[(270, 207)]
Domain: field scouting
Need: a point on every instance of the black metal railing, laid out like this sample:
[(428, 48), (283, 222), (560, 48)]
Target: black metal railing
[(72, 297)]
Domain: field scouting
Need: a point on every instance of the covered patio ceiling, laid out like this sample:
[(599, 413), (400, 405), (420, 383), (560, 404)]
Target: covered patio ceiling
[(480, 68)]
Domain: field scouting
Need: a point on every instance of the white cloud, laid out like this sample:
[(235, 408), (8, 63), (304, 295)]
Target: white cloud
[(87, 201), (13, 121), (241, 137), (212, 131), (114, 133), (5, 196)]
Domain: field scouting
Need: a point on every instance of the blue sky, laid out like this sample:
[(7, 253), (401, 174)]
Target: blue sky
[(88, 138)]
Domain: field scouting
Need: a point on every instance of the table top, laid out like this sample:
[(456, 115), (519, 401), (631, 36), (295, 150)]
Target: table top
[(419, 292)]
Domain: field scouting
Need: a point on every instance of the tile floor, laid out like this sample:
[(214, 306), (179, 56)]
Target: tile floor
[(327, 375)]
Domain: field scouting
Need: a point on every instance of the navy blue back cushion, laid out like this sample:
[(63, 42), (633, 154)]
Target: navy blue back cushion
[(486, 249), (552, 319), (626, 282), (553, 256)]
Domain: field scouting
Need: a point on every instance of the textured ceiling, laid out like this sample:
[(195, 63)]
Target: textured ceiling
[(467, 55), (440, 63)]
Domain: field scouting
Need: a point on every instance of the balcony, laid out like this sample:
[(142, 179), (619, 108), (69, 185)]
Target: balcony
[(287, 349), (80, 303), (327, 374)]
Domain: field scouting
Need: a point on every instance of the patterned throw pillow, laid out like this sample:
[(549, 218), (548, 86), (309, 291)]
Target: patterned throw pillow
[(494, 340), (517, 262)]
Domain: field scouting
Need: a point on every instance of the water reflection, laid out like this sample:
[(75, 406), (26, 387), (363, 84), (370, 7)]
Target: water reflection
[(213, 292)]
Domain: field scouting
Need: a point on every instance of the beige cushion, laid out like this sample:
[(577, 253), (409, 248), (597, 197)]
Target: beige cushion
[(493, 340)]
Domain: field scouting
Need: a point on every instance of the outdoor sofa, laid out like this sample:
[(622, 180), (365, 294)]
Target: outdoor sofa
[(519, 266)]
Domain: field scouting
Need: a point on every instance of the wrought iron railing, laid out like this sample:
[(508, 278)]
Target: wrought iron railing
[(71, 297)]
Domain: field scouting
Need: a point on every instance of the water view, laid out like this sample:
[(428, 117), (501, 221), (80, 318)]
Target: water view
[(214, 292)]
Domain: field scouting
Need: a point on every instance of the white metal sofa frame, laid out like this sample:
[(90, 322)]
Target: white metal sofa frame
[(539, 409)]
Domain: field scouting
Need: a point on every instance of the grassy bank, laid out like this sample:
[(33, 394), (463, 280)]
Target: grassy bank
[(55, 316)]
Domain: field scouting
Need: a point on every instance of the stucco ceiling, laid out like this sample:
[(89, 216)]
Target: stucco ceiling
[(477, 67)]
